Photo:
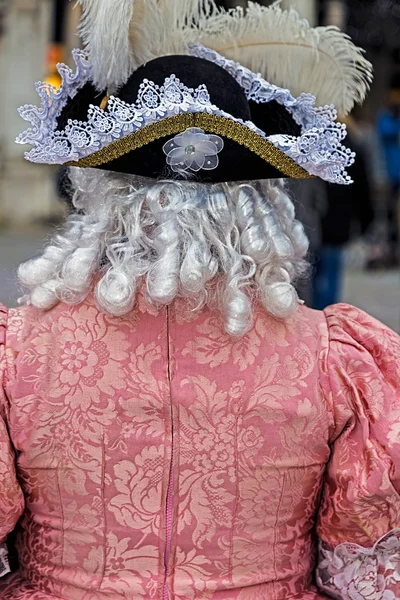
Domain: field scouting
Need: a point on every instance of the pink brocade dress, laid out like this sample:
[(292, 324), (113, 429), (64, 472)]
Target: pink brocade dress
[(155, 457)]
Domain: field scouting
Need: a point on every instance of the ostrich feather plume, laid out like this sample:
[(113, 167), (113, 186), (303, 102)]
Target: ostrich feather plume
[(104, 29), (121, 35), (289, 53)]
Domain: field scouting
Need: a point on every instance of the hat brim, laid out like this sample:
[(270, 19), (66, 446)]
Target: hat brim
[(267, 132), (121, 154)]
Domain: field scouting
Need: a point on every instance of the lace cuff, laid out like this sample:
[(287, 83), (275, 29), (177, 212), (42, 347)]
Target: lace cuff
[(4, 564), (351, 572)]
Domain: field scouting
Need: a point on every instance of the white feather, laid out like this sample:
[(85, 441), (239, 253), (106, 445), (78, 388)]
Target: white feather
[(289, 53), (168, 26), (105, 31), (121, 35)]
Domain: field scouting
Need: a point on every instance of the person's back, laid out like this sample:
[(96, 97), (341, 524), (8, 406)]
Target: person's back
[(156, 452), (175, 424)]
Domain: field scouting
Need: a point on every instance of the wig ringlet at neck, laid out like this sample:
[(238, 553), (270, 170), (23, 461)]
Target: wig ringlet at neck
[(222, 245)]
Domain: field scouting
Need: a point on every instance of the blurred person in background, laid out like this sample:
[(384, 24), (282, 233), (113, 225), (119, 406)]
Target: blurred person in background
[(389, 132), (349, 214), (311, 202), (366, 135), (333, 217)]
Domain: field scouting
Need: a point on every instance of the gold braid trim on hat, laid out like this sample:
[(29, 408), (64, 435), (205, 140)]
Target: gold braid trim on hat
[(211, 124)]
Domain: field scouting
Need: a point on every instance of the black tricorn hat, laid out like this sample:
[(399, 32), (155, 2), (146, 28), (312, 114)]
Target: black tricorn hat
[(149, 99), (245, 152), (182, 116)]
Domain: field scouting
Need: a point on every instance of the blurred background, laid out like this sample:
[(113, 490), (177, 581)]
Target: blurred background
[(354, 232)]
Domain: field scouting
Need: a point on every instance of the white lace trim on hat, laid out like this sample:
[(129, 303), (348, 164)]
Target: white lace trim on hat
[(318, 149)]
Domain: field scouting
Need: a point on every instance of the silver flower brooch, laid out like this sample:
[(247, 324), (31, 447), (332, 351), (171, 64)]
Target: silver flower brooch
[(193, 150)]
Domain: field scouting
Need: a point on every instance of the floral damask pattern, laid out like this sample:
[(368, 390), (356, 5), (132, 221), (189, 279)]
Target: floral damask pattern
[(292, 428), (138, 483)]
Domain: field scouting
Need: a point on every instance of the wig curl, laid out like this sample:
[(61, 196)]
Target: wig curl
[(222, 245)]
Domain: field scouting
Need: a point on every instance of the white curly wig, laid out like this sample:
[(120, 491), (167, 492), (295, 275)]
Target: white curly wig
[(223, 245)]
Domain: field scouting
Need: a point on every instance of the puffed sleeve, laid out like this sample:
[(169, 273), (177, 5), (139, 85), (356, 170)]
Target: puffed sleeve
[(11, 496), (359, 519)]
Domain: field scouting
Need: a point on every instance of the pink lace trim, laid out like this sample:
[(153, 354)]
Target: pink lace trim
[(351, 572), (4, 564)]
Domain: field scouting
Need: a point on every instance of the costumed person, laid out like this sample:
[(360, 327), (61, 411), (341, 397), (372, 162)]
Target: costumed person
[(311, 205), (174, 423), (349, 216)]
